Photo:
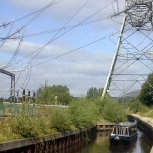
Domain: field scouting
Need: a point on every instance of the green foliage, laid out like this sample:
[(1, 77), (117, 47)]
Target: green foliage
[(148, 113), (62, 93), (83, 112), (113, 112), (60, 119), (53, 94), (29, 126), (100, 103), (1, 100), (136, 106), (44, 95), (94, 92), (146, 94), (5, 131), (59, 89), (63, 98)]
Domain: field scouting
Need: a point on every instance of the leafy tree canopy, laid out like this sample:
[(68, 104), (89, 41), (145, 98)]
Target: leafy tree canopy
[(53, 94), (59, 89), (94, 92), (1, 100), (146, 94), (44, 95)]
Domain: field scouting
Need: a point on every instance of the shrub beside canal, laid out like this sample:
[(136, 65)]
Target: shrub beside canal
[(48, 120)]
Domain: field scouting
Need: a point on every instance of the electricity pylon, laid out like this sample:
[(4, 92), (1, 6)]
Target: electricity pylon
[(133, 58)]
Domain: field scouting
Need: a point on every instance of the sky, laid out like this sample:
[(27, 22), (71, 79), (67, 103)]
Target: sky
[(64, 41)]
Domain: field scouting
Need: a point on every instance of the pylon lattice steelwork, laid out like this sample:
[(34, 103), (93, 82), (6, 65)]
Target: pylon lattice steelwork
[(133, 59)]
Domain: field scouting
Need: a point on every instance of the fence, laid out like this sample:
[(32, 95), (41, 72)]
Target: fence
[(9, 109)]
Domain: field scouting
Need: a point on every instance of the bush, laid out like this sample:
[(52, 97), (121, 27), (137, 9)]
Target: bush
[(113, 112), (136, 106), (146, 91), (60, 119), (30, 126), (83, 113)]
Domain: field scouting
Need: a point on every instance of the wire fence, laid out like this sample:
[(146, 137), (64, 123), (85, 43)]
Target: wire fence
[(12, 109)]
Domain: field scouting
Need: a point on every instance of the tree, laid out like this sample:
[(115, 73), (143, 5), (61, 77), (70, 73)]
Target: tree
[(51, 94), (62, 93), (146, 93), (1, 100), (100, 91), (59, 89), (94, 92), (44, 95)]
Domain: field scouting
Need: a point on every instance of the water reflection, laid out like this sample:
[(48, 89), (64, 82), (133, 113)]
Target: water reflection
[(101, 144)]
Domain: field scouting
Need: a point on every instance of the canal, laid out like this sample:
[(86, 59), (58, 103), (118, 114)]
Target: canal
[(100, 144)]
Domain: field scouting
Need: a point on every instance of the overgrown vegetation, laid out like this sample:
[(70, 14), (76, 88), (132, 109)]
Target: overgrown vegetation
[(53, 94), (137, 107), (146, 94), (83, 112), (113, 111), (143, 104), (94, 93), (40, 119), (43, 120)]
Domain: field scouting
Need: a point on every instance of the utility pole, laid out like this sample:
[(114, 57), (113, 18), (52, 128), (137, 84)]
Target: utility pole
[(12, 90)]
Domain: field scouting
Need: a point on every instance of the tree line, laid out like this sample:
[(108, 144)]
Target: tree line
[(60, 94)]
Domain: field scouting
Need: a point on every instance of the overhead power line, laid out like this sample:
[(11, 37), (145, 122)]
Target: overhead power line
[(76, 49), (51, 40), (64, 33), (71, 26), (68, 27), (25, 67), (29, 69), (32, 13), (65, 28), (69, 52), (16, 52)]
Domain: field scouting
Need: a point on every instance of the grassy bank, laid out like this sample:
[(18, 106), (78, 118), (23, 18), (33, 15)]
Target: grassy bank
[(136, 107)]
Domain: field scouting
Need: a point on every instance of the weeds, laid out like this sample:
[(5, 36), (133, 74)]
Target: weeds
[(113, 112), (38, 120)]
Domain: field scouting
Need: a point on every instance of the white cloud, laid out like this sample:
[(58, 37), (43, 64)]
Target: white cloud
[(65, 9), (80, 70)]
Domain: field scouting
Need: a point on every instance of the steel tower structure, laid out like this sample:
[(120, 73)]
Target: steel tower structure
[(133, 58), (12, 90)]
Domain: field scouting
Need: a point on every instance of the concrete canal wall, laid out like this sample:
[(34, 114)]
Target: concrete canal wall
[(48, 143), (144, 123)]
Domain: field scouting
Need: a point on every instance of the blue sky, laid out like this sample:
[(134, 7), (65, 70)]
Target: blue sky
[(79, 70)]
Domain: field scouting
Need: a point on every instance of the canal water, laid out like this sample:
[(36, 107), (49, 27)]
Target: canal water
[(100, 144)]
